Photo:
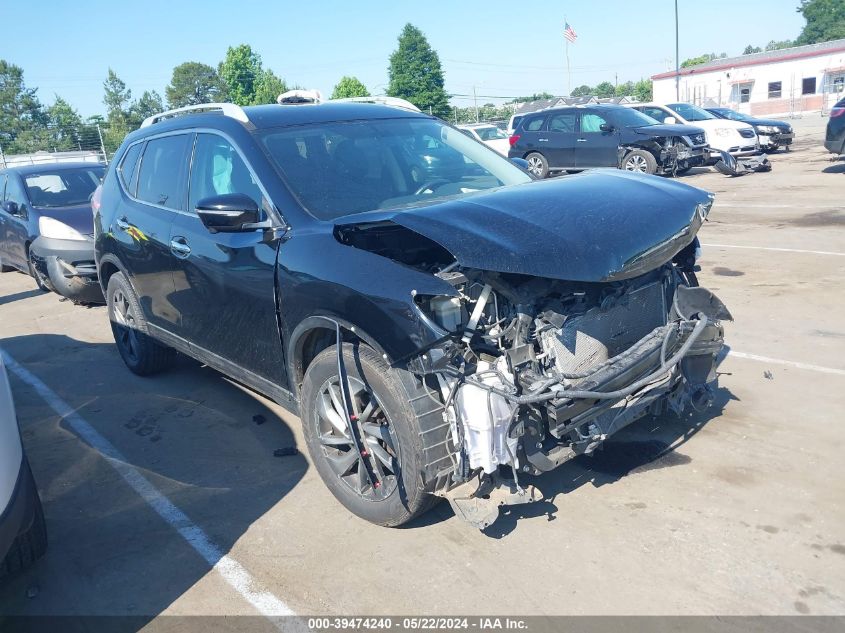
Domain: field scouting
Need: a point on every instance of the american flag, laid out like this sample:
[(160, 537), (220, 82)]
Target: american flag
[(569, 33)]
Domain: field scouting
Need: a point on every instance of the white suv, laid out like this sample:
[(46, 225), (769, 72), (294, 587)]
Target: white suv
[(734, 137), (23, 536)]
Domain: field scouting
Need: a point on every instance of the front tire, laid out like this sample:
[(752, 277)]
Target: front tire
[(141, 353), (40, 281), (639, 161), (537, 164), (389, 428)]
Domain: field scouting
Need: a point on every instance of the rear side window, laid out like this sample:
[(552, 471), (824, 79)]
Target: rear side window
[(563, 122), (533, 125), (162, 174), (128, 167)]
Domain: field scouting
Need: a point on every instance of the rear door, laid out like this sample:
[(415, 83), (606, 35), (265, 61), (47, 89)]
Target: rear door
[(154, 174), (561, 138), (595, 147), (225, 282)]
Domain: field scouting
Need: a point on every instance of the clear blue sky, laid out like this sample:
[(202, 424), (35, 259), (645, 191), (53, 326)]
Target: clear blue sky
[(504, 49)]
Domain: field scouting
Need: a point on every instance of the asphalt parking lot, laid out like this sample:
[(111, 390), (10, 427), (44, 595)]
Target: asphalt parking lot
[(163, 495)]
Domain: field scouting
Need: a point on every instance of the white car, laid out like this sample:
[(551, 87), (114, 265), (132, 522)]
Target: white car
[(488, 134), (734, 137), (23, 535)]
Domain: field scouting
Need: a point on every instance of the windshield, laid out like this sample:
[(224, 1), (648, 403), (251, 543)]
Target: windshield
[(63, 188), (338, 168), (625, 117), (692, 112), (732, 115), (491, 133)]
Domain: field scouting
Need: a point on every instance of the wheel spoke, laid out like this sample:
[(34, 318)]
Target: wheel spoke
[(383, 456), (342, 462), (330, 414), (362, 482), (378, 432), (334, 440)]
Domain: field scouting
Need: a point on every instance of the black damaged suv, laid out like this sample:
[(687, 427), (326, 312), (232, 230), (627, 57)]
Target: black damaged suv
[(441, 331), (605, 135)]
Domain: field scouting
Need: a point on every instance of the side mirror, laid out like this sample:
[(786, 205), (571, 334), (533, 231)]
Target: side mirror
[(670, 120), (11, 208), (606, 127), (228, 213)]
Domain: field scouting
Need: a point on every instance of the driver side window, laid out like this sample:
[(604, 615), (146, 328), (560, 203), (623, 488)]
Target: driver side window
[(218, 169), (591, 123)]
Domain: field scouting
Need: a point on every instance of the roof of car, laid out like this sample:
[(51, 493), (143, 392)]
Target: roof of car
[(600, 106), (275, 115), (37, 168)]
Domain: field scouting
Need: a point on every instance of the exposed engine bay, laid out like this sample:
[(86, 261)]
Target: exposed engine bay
[(537, 371)]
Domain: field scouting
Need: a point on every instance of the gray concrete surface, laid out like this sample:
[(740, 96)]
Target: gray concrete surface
[(740, 510)]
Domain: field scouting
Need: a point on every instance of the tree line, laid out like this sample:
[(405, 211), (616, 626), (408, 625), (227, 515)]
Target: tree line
[(414, 71)]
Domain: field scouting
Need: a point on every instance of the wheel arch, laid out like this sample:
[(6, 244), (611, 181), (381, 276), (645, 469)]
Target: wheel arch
[(316, 333)]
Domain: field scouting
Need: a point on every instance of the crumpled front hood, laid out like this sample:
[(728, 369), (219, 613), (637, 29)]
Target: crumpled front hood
[(599, 225)]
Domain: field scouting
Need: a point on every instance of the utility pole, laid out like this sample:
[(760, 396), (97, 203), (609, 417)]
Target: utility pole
[(475, 102), (677, 60)]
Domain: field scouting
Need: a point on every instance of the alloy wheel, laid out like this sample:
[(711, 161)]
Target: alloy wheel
[(535, 166), (636, 163), (377, 437), (124, 317)]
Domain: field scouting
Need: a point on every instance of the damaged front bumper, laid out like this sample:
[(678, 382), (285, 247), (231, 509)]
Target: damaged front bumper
[(557, 419), (69, 267)]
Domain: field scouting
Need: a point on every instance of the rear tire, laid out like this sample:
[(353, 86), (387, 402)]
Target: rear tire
[(31, 545), (393, 411), (141, 353), (537, 164), (639, 161)]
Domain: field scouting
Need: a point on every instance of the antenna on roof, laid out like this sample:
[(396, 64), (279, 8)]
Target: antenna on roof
[(299, 97)]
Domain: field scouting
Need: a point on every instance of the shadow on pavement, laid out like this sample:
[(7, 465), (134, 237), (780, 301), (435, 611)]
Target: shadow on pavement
[(202, 441)]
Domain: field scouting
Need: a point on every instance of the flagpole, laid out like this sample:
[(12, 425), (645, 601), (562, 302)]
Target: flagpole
[(568, 71)]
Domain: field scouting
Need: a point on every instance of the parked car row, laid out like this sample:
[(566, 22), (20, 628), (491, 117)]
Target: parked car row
[(666, 139), (834, 138), (441, 321)]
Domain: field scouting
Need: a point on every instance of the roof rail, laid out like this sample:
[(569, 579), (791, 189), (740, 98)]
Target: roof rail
[(395, 102), (227, 109)]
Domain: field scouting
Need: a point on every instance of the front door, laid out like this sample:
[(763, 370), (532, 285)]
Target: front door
[(596, 147), (225, 282), (16, 226)]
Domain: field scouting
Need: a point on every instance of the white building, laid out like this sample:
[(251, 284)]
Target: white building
[(784, 82)]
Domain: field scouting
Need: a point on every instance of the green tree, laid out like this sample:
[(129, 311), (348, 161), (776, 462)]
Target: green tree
[(537, 96), (64, 125), (825, 21), (193, 83), (695, 61), (625, 90), (268, 87), (349, 87), (23, 122), (116, 98), (752, 49), (643, 90), (149, 104), (777, 45), (605, 89), (415, 73), (241, 71), (583, 91)]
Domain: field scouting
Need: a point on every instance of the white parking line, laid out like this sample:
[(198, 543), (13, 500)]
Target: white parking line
[(788, 363), (231, 570), (772, 248)]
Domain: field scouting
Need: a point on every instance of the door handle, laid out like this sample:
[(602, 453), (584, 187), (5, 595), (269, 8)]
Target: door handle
[(582, 140), (542, 140), (180, 247), (122, 224)]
